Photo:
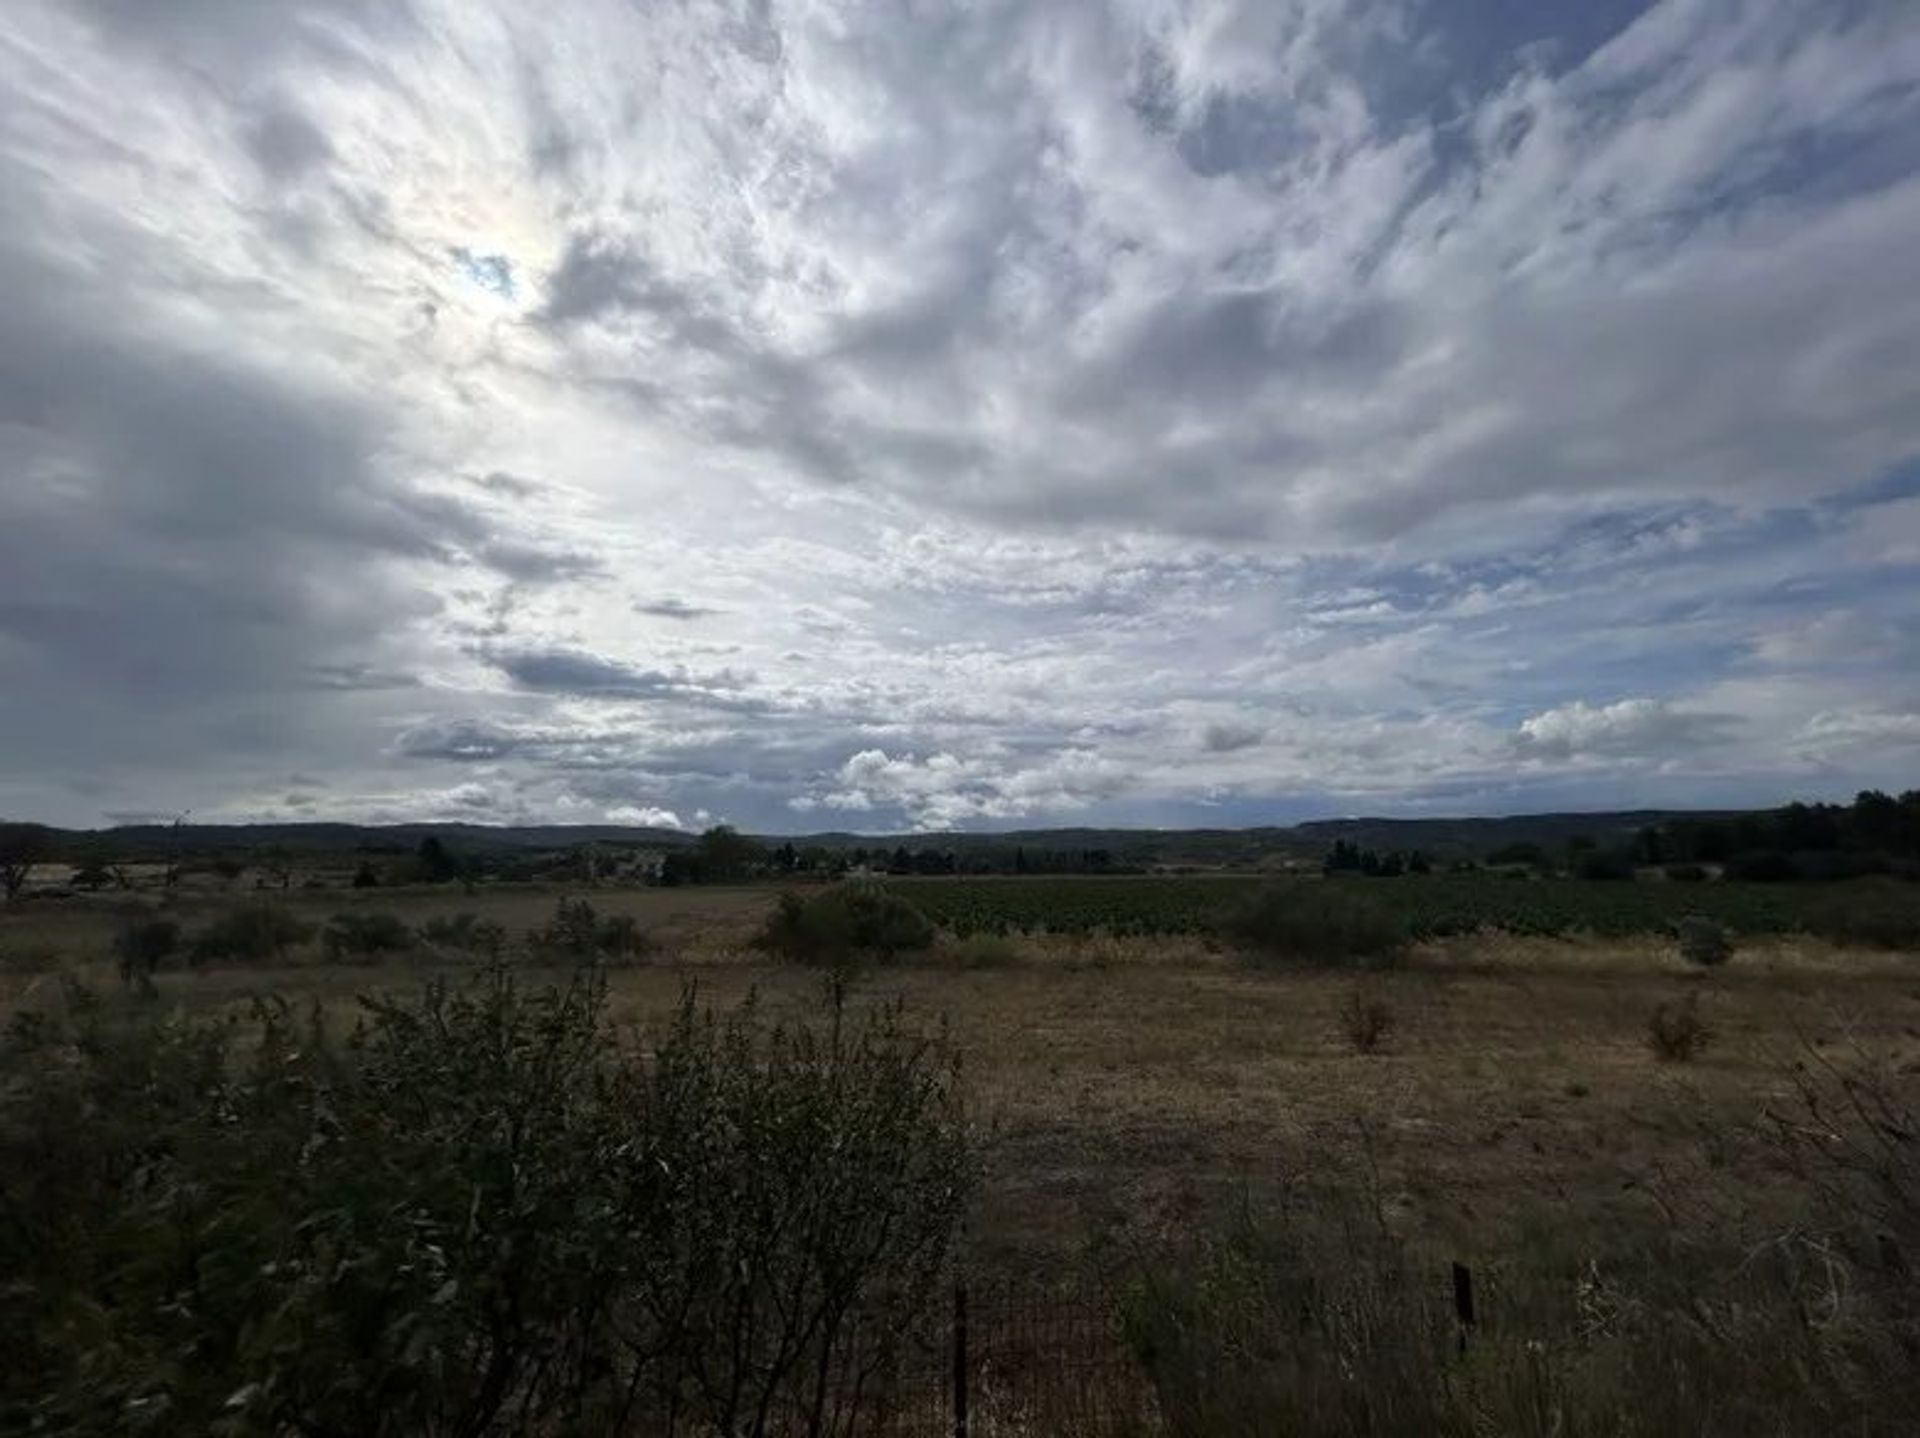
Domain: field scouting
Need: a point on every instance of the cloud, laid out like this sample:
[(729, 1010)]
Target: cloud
[(1628, 729), (1119, 411), (1228, 738), (645, 816)]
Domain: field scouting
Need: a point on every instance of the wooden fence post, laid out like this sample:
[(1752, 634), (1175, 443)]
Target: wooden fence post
[(1463, 1301), (959, 1360)]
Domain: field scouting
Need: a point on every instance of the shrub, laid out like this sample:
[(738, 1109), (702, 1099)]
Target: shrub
[(1676, 1032), (365, 936), (1604, 864), (142, 945), (1703, 941), (469, 933), (1318, 923), (1687, 873), (251, 934), (482, 1214), (1765, 867), (846, 922), (577, 933), (1365, 1019)]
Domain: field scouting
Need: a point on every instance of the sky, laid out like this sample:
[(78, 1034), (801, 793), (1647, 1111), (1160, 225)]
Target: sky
[(921, 416)]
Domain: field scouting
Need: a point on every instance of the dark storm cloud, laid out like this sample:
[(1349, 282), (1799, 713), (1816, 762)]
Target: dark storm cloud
[(533, 564), (285, 143), (591, 676), (672, 608)]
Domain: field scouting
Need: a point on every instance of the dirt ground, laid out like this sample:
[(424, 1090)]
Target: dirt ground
[(1148, 1079)]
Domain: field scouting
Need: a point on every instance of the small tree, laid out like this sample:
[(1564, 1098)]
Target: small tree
[(365, 936), (21, 847)]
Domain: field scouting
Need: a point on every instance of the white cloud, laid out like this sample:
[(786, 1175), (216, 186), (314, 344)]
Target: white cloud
[(1627, 729), (647, 816)]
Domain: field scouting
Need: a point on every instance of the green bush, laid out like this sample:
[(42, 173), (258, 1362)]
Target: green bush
[(365, 936), (846, 922), (1317, 923), (250, 934), (577, 933), (479, 1214)]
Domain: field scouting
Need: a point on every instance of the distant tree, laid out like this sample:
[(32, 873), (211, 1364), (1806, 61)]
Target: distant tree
[(725, 854), (1611, 864), (438, 864), (1418, 863), (21, 847), (1532, 855), (366, 877), (91, 871)]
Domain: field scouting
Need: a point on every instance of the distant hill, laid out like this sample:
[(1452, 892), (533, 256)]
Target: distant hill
[(135, 839), (1233, 848), (1465, 838)]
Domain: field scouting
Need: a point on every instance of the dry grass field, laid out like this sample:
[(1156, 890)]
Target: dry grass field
[(1145, 1081)]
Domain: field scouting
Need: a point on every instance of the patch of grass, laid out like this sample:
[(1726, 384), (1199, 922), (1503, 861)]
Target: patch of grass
[(983, 951), (362, 937)]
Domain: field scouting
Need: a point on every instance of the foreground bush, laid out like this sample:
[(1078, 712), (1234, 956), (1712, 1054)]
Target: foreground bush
[(478, 1214), (250, 934), (1320, 923), (846, 922)]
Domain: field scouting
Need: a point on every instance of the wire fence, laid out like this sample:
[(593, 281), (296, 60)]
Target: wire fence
[(1013, 1362)]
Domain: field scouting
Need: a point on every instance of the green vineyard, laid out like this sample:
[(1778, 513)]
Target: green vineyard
[(1430, 906)]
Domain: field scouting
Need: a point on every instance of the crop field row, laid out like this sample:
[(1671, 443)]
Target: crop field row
[(1431, 906)]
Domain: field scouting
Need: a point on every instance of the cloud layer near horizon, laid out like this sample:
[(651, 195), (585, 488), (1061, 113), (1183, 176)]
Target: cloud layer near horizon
[(846, 415)]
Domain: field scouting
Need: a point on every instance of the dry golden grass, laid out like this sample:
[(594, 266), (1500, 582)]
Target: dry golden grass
[(1152, 1079)]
